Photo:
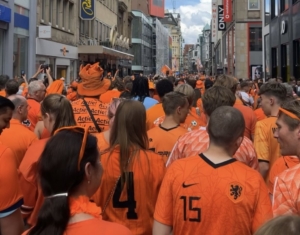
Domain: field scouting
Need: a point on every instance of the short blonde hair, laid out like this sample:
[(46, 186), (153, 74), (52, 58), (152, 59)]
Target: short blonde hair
[(188, 91)]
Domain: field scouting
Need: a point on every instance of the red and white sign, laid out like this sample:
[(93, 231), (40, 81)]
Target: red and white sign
[(214, 20), (227, 10)]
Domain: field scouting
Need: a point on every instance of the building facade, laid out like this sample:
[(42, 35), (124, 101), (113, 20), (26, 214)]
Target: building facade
[(172, 22), (142, 44), (160, 45), (17, 37), (106, 38), (237, 43), (281, 21), (58, 49), (186, 50), (205, 50)]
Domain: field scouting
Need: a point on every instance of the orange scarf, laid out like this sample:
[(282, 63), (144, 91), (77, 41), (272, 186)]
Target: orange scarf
[(82, 204)]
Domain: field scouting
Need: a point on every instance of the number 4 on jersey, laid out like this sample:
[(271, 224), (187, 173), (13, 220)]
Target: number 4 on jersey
[(130, 204)]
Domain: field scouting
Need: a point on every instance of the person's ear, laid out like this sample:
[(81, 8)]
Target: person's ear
[(88, 170)]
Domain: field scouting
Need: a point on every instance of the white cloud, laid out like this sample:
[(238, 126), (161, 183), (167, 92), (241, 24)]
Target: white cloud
[(194, 15)]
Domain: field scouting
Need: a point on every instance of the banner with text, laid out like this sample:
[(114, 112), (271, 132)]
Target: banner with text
[(221, 22), (227, 10)]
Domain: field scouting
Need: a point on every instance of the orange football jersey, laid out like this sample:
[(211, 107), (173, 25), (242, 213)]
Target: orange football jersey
[(195, 142), (280, 165), (266, 146), (95, 227), (152, 114), (132, 204), (33, 196), (199, 195), (162, 141), (99, 111), (11, 197), (286, 194)]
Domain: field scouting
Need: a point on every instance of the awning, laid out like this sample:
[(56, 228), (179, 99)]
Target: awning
[(104, 50)]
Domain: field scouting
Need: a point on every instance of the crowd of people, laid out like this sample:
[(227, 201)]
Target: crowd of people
[(161, 155)]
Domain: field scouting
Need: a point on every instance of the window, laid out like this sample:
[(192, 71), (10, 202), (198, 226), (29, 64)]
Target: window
[(267, 12), (274, 8), (253, 4), (57, 17), (284, 5), (267, 55), (65, 14), (50, 11), (296, 56), (285, 62), (71, 15), (274, 62), (255, 40), (43, 10), (95, 33), (294, 1)]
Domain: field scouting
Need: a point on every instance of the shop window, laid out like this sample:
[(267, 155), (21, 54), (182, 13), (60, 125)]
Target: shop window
[(274, 62), (255, 39), (297, 59), (284, 5)]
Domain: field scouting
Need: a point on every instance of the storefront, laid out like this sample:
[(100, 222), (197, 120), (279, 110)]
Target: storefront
[(284, 38), (61, 58)]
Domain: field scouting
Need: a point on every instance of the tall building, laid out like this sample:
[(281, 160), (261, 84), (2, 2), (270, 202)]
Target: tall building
[(205, 49), (142, 44), (186, 49), (17, 37), (154, 8), (56, 42), (281, 22), (172, 22), (237, 37), (106, 36)]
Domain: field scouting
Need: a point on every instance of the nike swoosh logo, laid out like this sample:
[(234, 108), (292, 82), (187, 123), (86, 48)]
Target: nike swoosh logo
[(187, 185)]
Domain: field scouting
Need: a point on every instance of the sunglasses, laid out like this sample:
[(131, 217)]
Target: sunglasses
[(288, 113), (85, 133)]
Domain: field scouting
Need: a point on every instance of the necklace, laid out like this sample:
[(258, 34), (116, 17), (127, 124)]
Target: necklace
[(82, 204)]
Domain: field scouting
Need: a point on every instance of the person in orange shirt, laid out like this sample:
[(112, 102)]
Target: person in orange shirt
[(89, 111), (116, 88), (248, 114), (103, 137), (163, 87), (200, 193), (163, 137), (266, 146), (56, 87), (72, 91), (132, 175), (67, 208), (40, 131), (195, 117), (56, 112), (286, 199), (3, 81), (18, 138), (11, 198), (280, 165), (36, 94), (197, 141)]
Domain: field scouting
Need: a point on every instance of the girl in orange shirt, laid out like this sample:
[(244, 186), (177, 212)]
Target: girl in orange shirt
[(68, 188), (57, 112), (103, 137), (132, 174)]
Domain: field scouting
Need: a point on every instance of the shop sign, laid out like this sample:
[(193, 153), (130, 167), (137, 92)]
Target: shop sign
[(5, 14), (214, 9), (44, 31), (227, 10), (117, 40), (87, 9), (221, 23)]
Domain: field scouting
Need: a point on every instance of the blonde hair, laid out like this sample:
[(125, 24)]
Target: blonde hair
[(188, 91)]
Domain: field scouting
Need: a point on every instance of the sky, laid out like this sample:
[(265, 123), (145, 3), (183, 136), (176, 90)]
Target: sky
[(194, 15)]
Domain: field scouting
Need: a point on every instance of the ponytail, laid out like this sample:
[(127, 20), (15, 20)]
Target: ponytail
[(53, 217)]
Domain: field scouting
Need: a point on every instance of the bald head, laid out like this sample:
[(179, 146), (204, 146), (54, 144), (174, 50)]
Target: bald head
[(20, 103)]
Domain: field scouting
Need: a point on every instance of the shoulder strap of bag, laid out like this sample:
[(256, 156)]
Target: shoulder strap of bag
[(91, 115)]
